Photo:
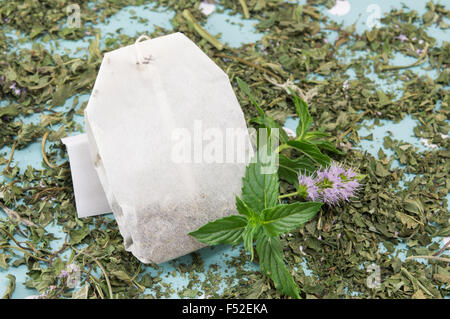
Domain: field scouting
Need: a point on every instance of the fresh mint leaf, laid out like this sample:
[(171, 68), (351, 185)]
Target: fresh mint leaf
[(259, 190), (248, 236), (305, 119), (326, 145), (317, 138), (284, 218), (311, 151), (227, 230), (243, 208), (288, 169), (270, 254), (309, 136)]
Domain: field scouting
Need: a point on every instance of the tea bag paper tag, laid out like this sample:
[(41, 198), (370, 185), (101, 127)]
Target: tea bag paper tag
[(90, 199)]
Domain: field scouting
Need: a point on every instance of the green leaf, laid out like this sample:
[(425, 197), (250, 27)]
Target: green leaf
[(272, 265), (77, 236), (284, 218), (311, 151), (242, 208), (10, 288), (270, 123), (326, 145), (407, 220), (248, 236), (244, 87), (61, 95), (305, 119), (36, 31), (121, 275), (316, 135), (11, 110), (227, 230), (259, 190), (288, 169), (316, 138)]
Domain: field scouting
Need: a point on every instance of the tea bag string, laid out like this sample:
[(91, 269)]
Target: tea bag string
[(139, 56)]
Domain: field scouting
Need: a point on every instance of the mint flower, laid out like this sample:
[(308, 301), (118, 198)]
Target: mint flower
[(330, 185), (307, 188)]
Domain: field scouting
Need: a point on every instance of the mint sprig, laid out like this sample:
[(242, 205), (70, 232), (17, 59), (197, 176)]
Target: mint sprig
[(262, 217)]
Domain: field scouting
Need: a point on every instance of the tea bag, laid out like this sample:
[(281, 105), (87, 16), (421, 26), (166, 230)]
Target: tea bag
[(169, 142)]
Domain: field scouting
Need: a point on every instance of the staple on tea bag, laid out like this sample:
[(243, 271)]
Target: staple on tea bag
[(148, 99)]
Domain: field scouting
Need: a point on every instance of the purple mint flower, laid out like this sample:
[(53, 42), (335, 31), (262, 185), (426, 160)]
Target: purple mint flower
[(331, 185), (402, 37), (348, 189), (331, 196), (307, 184), (336, 170), (13, 86), (350, 173), (328, 177), (63, 274)]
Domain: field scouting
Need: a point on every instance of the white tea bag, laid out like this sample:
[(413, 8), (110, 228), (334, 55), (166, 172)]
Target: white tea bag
[(169, 142)]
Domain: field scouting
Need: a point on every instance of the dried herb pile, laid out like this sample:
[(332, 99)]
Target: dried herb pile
[(335, 248)]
